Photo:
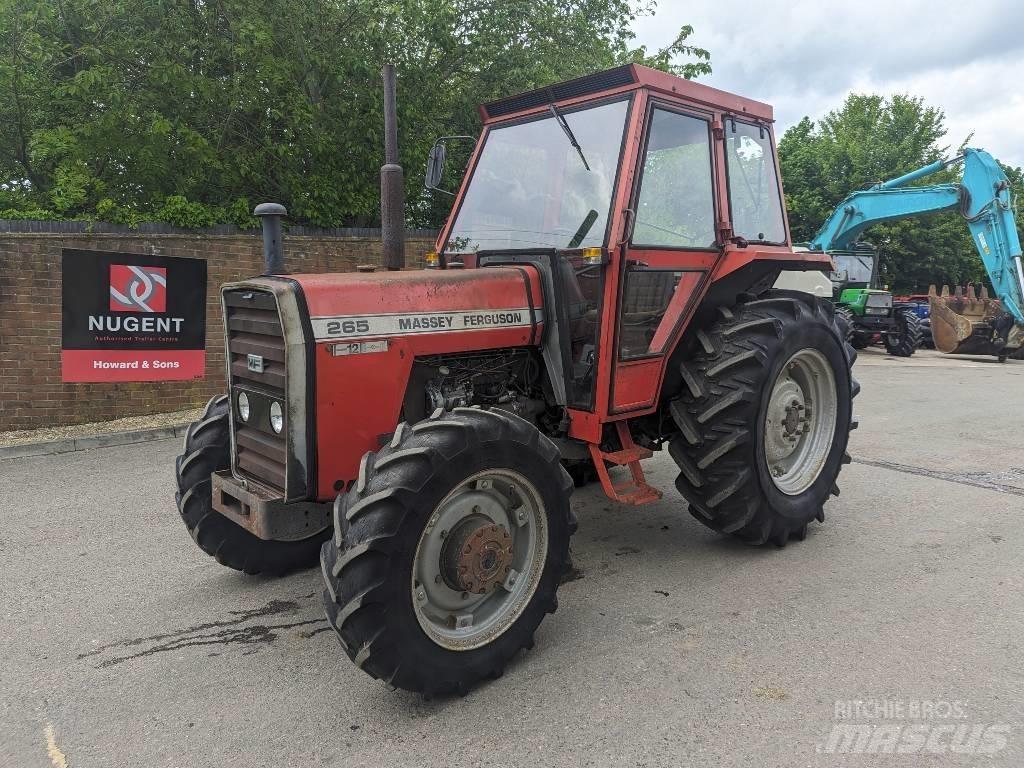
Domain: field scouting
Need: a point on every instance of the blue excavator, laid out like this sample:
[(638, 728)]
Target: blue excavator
[(971, 324)]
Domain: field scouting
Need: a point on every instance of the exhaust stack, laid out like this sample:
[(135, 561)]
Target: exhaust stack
[(273, 243), (392, 182)]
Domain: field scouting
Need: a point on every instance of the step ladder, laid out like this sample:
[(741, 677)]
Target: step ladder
[(634, 491)]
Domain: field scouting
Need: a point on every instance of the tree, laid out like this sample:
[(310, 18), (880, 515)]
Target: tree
[(190, 111), (869, 139)]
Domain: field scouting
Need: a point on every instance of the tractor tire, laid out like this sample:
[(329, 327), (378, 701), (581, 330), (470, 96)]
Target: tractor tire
[(908, 334), (207, 450), (860, 340), (844, 319), (394, 573), (742, 369)]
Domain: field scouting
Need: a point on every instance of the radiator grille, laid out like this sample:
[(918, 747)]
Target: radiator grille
[(254, 328)]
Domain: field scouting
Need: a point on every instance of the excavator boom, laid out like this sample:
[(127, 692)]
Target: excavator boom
[(975, 325)]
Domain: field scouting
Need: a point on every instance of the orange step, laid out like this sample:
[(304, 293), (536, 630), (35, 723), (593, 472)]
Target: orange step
[(636, 490)]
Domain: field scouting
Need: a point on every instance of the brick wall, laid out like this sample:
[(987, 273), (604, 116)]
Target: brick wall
[(31, 392)]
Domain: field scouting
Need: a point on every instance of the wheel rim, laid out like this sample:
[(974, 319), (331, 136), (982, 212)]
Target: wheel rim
[(479, 559), (800, 422)]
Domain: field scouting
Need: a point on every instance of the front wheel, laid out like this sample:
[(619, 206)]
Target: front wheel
[(907, 337), (448, 550), (207, 450), (764, 417)]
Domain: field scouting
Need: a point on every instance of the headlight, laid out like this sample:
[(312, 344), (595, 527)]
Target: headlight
[(243, 406), (276, 417)]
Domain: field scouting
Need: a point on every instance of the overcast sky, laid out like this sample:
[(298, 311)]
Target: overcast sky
[(803, 57)]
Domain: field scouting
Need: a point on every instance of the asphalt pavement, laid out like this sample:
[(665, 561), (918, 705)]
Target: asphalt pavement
[(894, 635)]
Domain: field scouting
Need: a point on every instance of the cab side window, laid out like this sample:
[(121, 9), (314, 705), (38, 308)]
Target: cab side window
[(753, 184), (675, 206)]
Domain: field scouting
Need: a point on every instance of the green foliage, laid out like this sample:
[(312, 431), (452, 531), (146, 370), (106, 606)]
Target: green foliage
[(187, 111), (870, 139)]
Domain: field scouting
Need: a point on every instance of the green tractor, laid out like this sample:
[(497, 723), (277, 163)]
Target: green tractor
[(868, 310)]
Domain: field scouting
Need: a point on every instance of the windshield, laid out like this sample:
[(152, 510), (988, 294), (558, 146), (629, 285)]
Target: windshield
[(532, 187)]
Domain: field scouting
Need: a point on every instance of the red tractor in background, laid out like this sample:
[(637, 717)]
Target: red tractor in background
[(602, 289)]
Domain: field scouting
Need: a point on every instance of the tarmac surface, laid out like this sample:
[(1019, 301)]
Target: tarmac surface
[(896, 630)]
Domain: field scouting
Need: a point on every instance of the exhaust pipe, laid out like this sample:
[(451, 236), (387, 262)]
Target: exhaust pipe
[(273, 244), (392, 182)]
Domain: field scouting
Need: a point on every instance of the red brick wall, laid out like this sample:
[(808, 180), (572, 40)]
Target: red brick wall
[(31, 392)]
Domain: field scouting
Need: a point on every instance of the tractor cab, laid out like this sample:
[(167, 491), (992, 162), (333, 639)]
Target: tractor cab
[(855, 282), (632, 191)]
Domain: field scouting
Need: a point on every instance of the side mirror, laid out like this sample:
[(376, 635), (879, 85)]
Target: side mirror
[(435, 166)]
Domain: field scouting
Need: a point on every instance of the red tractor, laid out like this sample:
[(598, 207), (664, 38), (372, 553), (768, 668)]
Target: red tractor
[(601, 290)]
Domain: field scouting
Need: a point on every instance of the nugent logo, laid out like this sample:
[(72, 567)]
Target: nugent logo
[(138, 289), (121, 323)]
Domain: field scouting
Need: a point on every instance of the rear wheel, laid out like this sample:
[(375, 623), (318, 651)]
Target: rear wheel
[(449, 550), (207, 450), (764, 417), (907, 337)]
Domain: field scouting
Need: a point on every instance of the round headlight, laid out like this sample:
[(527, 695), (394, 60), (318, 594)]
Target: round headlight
[(243, 406), (276, 417)]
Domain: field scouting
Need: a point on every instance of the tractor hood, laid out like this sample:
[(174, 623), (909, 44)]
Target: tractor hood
[(378, 305), (368, 329)]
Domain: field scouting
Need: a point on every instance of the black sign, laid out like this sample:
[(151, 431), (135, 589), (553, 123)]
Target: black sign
[(128, 317)]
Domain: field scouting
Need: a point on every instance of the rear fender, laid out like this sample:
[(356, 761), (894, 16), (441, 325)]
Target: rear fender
[(743, 271)]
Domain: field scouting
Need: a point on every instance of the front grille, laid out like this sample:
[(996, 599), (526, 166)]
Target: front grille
[(254, 328)]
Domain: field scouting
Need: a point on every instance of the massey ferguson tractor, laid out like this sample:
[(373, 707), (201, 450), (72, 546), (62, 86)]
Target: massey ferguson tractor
[(601, 290)]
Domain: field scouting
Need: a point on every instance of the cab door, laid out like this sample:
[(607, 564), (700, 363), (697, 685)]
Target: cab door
[(672, 247)]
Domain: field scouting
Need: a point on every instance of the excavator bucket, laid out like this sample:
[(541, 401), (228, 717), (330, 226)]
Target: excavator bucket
[(970, 325)]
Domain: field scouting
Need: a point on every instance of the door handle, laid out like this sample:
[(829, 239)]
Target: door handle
[(627, 229)]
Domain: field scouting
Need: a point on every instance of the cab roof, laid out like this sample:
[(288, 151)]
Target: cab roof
[(620, 79)]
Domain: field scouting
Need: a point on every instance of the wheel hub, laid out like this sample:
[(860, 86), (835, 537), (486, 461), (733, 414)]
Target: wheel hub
[(789, 417), (800, 421), (478, 557)]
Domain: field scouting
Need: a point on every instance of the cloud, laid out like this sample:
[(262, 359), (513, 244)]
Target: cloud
[(804, 57)]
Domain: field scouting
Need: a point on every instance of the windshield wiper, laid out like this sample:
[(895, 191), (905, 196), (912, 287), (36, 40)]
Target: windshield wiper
[(568, 132)]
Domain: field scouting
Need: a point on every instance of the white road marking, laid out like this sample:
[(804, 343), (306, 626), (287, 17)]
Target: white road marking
[(58, 758)]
